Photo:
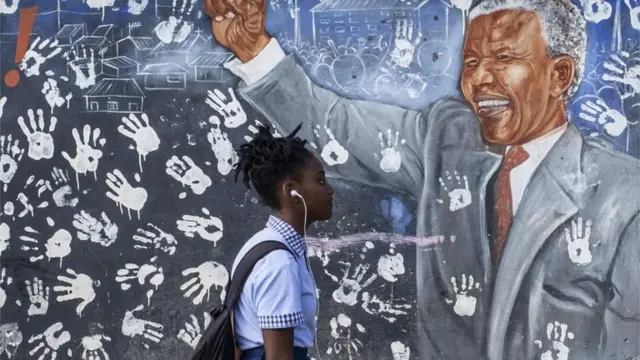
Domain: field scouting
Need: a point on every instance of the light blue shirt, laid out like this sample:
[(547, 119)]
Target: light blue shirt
[(280, 291)]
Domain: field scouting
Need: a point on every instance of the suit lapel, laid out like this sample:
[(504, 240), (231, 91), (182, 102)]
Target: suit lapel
[(547, 203)]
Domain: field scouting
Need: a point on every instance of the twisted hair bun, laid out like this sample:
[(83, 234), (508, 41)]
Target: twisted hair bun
[(266, 160)]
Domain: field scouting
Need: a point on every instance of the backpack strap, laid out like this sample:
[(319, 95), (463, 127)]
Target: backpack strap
[(236, 283)]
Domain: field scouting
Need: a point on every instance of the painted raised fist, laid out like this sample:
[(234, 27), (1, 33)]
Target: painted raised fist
[(239, 25)]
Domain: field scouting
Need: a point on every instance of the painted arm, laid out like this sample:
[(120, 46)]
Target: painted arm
[(373, 143), (622, 318)]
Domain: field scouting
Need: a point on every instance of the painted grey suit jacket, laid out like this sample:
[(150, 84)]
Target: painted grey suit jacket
[(554, 292)]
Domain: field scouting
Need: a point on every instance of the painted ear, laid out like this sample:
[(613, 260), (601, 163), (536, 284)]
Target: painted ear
[(562, 75)]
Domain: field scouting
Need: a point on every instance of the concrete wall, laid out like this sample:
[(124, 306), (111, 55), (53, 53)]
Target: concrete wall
[(117, 230)]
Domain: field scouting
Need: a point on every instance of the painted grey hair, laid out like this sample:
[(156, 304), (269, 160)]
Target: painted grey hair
[(563, 28)]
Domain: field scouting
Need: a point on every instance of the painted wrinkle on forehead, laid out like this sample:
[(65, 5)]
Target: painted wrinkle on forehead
[(506, 28)]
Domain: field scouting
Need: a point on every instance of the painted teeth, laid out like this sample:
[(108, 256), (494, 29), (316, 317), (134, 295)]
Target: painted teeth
[(491, 103)]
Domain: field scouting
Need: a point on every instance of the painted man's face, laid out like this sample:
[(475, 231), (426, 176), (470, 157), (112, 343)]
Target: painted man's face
[(508, 77)]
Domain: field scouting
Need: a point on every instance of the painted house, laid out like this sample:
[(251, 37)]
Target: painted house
[(164, 76), (342, 20), (100, 40), (115, 96), (182, 53), (135, 47), (120, 66), (70, 33), (208, 67)]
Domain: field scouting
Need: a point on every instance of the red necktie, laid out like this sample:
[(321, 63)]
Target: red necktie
[(504, 207)]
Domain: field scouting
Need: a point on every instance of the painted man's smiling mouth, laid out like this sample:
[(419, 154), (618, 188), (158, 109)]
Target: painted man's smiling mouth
[(491, 106)]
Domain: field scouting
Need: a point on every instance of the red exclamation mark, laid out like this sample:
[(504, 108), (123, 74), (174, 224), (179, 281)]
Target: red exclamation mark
[(25, 25)]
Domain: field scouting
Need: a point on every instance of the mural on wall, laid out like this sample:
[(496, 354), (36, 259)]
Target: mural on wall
[(484, 155)]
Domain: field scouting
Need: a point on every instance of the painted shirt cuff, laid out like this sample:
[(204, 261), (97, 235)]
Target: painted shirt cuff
[(283, 321), (258, 67)]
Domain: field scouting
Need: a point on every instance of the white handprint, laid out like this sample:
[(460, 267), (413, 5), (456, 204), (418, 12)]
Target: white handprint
[(208, 274), (634, 13), (210, 229), (79, 63), (404, 44), (141, 133), (62, 196), (342, 336), (596, 10), (92, 347), (173, 30), (459, 193), (254, 131), (10, 338), (557, 333), (5, 235), (348, 289), (51, 93), (332, 153), (102, 232), (8, 9), (230, 109), (390, 265), (40, 140), (192, 332), (390, 156), (3, 100), (49, 341), (32, 59), (87, 157), (38, 297), (155, 238), (79, 287), (578, 242), (400, 351), (133, 198), (620, 70), (57, 246), (3, 294), (614, 122), (147, 273), (132, 327), (41, 186), (10, 156), (222, 147), (464, 303), (387, 310), (136, 7), (188, 174)]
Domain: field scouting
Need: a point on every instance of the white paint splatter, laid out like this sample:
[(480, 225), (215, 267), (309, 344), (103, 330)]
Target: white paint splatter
[(208, 274), (8, 9), (10, 337), (100, 4), (145, 274), (8, 280), (53, 96), (136, 7), (3, 100), (5, 235), (400, 351), (390, 265)]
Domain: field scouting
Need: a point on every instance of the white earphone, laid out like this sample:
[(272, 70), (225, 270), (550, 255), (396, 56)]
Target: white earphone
[(294, 193)]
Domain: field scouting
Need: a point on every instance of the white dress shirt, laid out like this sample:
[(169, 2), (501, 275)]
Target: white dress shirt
[(279, 293), (258, 67), (537, 149)]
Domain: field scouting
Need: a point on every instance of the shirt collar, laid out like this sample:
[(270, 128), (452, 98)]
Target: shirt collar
[(539, 147), (291, 236)]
